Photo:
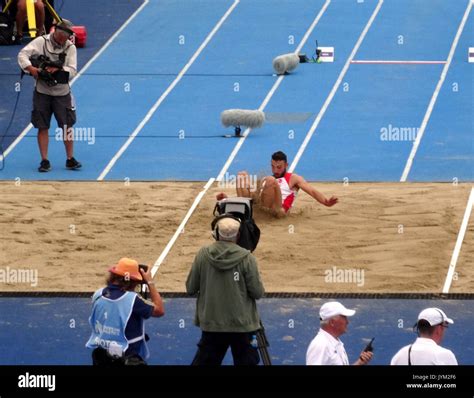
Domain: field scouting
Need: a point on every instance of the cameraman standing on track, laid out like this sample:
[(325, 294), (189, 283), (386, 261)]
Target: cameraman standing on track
[(52, 91)]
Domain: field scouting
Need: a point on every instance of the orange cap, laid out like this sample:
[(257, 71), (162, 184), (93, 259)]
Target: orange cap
[(127, 268)]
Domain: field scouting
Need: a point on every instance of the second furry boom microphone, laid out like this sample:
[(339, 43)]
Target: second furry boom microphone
[(242, 117), (285, 63)]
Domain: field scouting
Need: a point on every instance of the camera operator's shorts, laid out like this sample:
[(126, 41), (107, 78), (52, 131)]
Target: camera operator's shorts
[(45, 105)]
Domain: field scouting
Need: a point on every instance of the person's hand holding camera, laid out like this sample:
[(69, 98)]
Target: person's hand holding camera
[(33, 71), (52, 69), (146, 274), (155, 296)]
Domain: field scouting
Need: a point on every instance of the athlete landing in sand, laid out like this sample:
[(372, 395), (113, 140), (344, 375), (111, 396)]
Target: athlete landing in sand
[(278, 192)]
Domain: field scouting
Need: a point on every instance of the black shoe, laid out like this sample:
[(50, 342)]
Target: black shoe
[(45, 166), (18, 40), (73, 164)]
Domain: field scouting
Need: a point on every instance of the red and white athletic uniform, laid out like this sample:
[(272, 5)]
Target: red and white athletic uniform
[(288, 195)]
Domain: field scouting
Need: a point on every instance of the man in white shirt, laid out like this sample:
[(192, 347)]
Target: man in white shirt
[(52, 93), (326, 348), (431, 326)]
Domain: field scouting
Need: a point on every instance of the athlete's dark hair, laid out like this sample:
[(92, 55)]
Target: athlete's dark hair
[(279, 156)]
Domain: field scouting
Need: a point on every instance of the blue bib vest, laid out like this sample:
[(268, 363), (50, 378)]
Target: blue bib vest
[(109, 320)]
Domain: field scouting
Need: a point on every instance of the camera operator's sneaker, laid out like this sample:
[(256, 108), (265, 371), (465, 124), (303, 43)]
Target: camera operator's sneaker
[(73, 164), (45, 166), (18, 40)]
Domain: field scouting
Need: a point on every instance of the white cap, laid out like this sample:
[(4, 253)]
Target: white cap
[(434, 316), (228, 228), (334, 308)]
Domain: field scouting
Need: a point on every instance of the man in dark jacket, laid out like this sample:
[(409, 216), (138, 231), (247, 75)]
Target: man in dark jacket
[(226, 280)]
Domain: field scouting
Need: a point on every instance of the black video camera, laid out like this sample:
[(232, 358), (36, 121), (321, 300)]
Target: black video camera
[(51, 79), (143, 291)]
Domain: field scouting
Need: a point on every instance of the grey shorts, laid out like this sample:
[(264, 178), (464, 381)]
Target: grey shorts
[(45, 105)]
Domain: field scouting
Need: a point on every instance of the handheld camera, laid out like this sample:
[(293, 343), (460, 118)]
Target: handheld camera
[(143, 289), (51, 79), (143, 267)]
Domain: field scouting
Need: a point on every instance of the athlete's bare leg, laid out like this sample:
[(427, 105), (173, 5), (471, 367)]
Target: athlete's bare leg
[(270, 194)]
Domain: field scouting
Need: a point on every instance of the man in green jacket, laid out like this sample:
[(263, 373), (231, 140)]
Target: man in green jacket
[(227, 283)]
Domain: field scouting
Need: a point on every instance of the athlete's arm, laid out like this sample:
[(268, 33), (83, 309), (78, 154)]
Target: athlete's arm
[(299, 182)]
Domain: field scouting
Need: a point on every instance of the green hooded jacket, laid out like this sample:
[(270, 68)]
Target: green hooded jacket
[(226, 279)]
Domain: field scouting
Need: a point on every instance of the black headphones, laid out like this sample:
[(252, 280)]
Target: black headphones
[(215, 228)]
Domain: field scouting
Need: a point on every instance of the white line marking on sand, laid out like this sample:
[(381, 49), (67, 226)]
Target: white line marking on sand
[(457, 247)]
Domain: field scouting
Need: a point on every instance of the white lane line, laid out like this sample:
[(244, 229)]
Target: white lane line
[(396, 62), (265, 102), (166, 93), (188, 215), (84, 68), (434, 97), (334, 89), (457, 247)]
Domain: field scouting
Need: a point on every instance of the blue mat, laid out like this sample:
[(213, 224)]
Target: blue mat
[(234, 70), (53, 331)]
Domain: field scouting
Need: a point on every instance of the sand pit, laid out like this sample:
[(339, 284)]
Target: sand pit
[(381, 237)]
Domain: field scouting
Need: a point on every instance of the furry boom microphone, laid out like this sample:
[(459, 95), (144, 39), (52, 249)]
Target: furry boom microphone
[(286, 63), (242, 117)]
